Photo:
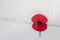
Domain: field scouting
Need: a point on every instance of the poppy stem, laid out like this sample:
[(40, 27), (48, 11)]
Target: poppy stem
[(39, 34)]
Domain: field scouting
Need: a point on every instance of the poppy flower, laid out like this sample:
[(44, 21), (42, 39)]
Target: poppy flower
[(39, 26), (39, 22), (39, 17)]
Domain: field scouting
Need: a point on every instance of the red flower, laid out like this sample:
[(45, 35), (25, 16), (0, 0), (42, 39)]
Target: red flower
[(39, 22), (39, 17)]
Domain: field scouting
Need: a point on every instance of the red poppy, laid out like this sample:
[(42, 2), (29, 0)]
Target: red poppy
[(39, 27), (39, 17), (39, 22)]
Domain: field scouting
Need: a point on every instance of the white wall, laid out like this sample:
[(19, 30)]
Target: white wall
[(23, 10), (7, 9), (51, 8)]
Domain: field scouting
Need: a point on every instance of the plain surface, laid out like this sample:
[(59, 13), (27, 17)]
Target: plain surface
[(21, 31), (50, 8), (22, 11)]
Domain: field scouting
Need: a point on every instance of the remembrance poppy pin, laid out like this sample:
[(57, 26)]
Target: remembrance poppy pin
[(39, 23)]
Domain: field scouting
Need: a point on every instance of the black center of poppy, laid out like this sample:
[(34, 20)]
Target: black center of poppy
[(39, 22)]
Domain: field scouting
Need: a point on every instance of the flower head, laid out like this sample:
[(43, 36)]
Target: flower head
[(39, 22), (39, 17)]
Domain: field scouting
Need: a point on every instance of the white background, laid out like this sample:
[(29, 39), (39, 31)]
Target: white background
[(51, 8), (15, 16)]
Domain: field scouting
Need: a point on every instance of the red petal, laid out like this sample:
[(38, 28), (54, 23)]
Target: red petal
[(39, 17), (39, 28)]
